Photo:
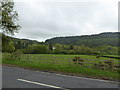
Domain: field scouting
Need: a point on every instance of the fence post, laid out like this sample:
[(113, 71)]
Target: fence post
[(39, 59), (27, 57), (53, 59)]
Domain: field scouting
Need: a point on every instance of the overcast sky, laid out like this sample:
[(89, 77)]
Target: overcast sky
[(43, 19)]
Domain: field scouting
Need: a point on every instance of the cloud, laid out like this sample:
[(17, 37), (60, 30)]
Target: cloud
[(43, 20)]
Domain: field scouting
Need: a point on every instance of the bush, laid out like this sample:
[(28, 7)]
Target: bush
[(97, 56), (58, 48), (16, 55), (71, 52), (8, 47), (75, 60), (6, 56), (36, 49), (64, 51)]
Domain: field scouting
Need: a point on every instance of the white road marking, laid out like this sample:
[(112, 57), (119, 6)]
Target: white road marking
[(37, 83)]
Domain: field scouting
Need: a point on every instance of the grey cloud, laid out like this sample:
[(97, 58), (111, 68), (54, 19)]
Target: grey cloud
[(45, 20)]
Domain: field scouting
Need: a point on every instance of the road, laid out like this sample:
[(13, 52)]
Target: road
[(14, 77)]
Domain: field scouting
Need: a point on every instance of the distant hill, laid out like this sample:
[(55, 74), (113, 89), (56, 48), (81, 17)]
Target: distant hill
[(107, 38), (23, 43)]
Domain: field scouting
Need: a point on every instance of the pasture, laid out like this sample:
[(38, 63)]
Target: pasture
[(61, 59)]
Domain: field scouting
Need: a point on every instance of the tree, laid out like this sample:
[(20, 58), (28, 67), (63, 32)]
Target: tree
[(71, 52), (83, 50), (50, 47), (8, 47), (19, 44), (107, 50), (9, 16), (5, 39), (36, 49), (6, 43), (7, 22), (58, 49), (71, 47)]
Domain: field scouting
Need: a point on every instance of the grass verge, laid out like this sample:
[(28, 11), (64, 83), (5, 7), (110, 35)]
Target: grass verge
[(66, 69)]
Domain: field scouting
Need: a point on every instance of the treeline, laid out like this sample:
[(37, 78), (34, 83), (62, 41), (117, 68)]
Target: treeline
[(107, 38), (10, 44), (34, 47), (82, 49), (23, 43)]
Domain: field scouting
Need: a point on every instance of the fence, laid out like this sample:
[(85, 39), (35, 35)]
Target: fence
[(65, 60)]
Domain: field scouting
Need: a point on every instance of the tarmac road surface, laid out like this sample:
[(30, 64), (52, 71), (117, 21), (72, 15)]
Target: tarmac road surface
[(14, 77)]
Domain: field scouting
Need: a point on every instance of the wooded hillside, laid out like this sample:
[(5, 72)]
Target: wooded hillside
[(108, 38)]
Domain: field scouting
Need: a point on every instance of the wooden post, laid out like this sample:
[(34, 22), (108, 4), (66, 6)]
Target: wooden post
[(28, 57), (54, 59)]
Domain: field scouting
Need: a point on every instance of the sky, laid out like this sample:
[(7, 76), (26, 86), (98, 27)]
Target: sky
[(45, 19)]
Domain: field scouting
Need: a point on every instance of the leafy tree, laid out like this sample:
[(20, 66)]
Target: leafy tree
[(5, 39), (107, 49), (58, 49), (65, 47), (64, 52), (71, 52), (71, 47), (77, 49), (6, 43), (36, 49), (9, 47), (8, 23), (50, 47), (9, 16), (83, 49), (19, 44)]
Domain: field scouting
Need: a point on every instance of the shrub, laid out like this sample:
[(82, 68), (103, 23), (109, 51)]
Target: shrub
[(16, 55), (64, 51), (97, 56), (6, 56), (71, 52), (75, 60), (36, 49)]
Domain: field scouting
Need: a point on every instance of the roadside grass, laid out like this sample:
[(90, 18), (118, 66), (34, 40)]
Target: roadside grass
[(73, 70), (0, 58)]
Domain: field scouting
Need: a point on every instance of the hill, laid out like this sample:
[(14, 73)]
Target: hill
[(18, 43), (23, 43), (107, 38)]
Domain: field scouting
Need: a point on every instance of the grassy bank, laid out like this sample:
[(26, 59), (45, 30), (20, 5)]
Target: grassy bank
[(74, 69)]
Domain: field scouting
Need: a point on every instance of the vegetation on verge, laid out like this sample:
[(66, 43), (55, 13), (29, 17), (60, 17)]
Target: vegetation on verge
[(111, 75)]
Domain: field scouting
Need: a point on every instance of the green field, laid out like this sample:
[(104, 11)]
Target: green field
[(63, 63), (59, 59)]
